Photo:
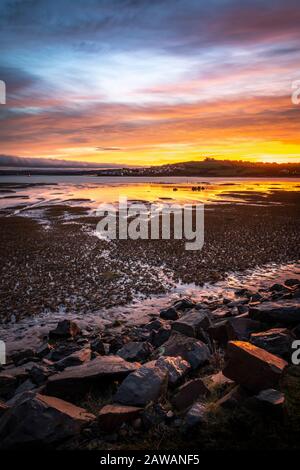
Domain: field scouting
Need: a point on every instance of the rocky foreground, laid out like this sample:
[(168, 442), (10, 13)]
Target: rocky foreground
[(183, 377)]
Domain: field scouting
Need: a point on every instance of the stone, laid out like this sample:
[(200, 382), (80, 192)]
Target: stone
[(271, 397), (147, 384), (241, 328), (98, 346), (155, 325), (189, 392), (232, 399), (39, 374), (176, 367), (78, 379), (111, 417), (192, 322), (75, 359), (3, 408), (62, 350), (252, 367), (218, 332), (65, 329), (276, 341), (243, 293), (184, 304), (43, 350), (8, 385), (292, 282), (41, 421), (169, 314), (161, 336), (195, 416), (135, 351), (192, 350), (26, 386), (217, 380), (284, 312), (21, 355), (221, 313)]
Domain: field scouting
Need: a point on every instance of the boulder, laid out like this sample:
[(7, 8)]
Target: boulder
[(192, 322), (41, 421), (161, 336), (218, 332), (39, 374), (111, 417), (252, 367), (276, 341), (189, 392), (217, 381), (285, 312), (192, 350), (169, 314), (292, 282), (135, 351), (75, 359), (176, 367), (18, 357), (221, 313), (8, 385), (195, 416), (65, 329), (183, 304), (78, 379), (235, 397), (62, 350), (98, 346), (241, 328), (146, 384)]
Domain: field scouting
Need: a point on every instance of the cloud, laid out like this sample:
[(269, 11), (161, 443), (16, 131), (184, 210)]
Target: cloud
[(13, 161)]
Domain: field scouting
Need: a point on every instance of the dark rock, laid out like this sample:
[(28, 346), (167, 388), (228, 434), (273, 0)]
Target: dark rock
[(271, 397), (191, 322), (283, 312), (155, 325), (221, 313), (39, 420), (233, 398), (296, 331), (65, 329), (75, 359), (278, 288), (43, 350), (192, 350), (176, 367), (111, 417), (62, 350), (8, 385), (218, 332), (292, 282), (184, 304), (97, 345), (241, 328), (147, 384), (20, 356), (243, 293), (3, 408), (189, 392), (161, 336), (217, 381), (26, 386), (242, 309), (75, 380), (252, 367), (277, 341), (169, 314), (135, 351), (195, 416), (39, 374)]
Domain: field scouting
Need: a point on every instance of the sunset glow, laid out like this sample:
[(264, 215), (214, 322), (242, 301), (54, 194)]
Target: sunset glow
[(146, 83)]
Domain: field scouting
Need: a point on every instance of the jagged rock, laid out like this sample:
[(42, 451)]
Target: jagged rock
[(39, 374), (161, 336), (26, 386), (62, 350), (241, 328), (277, 341), (39, 420), (192, 350), (43, 350), (78, 379), (75, 359), (169, 314), (189, 392), (22, 355), (145, 385), (284, 312), (183, 304), (292, 282), (154, 325), (195, 416), (233, 398), (135, 351), (98, 346), (176, 367), (111, 417), (8, 385), (217, 380), (252, 367), (192, 322), (221, 313), (65, 329), (218, 332)]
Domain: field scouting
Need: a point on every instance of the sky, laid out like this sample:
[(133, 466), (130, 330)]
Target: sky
[(142, 82)]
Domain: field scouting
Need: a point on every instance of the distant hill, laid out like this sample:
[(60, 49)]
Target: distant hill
[(212, 167)]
